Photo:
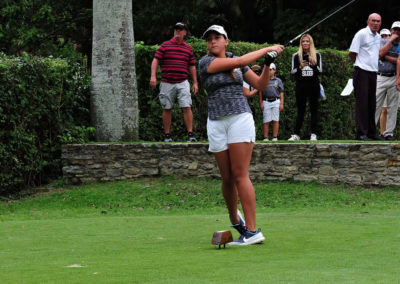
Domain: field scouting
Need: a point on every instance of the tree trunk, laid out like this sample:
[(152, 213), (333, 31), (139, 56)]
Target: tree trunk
[(114, 102)]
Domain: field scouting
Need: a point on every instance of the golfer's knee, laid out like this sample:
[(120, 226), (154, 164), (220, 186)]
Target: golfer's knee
[(240, 177)]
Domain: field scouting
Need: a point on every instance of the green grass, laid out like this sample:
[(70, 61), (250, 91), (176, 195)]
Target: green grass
[(159, 231)]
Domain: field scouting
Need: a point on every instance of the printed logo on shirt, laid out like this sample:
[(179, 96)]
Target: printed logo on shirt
[(307, 71), (238, 71)]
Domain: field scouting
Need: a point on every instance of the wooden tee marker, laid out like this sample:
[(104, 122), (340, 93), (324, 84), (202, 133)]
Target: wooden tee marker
[(221, 238)]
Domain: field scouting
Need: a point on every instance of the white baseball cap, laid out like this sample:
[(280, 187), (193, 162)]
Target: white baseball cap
[(216, 28), (396, 25), (272, 66), (385, 32)]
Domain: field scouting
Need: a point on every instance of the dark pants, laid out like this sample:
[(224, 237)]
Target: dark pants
[(364, 83), (304, 93)]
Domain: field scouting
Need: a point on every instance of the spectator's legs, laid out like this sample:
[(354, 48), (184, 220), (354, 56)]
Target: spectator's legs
[(361, 85), (266, 129), (275, 128), (188, 118), (301, 100), (382, 120), (167, 117), (392, 107), (314, 96)]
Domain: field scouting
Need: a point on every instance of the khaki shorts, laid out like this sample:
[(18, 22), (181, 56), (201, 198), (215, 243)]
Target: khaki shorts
[(169, 93)]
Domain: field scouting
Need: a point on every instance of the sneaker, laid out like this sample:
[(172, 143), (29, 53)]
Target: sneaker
[(377, 137), (294, 137), (275, 139), (191, 137), (168, 138), (266, 139), (389, 138), (249, 238), (241, 226), (313, 137)]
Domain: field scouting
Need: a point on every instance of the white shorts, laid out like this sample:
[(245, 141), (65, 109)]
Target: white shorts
[(271, 111), (171, 92), (230, 129)]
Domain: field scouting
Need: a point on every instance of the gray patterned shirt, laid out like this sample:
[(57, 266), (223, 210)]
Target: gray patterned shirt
[(225, 94)]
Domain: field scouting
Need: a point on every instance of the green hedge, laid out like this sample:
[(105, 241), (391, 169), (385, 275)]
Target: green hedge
[(43, 102), (336, 114)]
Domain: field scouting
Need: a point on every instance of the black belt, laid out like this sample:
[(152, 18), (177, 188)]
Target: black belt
[(271, 100), (358, 68), (386, 74)]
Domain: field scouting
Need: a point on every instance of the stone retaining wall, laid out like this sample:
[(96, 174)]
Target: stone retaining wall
[(354, 163)]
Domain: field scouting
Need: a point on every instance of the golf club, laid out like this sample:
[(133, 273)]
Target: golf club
[(313, 26)]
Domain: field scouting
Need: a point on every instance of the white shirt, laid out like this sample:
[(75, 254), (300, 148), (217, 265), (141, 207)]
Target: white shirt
[(366, 44)]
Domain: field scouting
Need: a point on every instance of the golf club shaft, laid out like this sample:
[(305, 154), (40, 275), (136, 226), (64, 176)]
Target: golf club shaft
[(313, 26)]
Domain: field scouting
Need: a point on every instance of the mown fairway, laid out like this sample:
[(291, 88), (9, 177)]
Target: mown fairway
[(159, 231)]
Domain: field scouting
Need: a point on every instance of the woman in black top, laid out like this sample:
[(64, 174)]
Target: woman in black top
[(306, 66)]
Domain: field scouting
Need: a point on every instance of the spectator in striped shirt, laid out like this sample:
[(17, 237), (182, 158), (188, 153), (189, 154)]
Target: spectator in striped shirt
[(175, 58)]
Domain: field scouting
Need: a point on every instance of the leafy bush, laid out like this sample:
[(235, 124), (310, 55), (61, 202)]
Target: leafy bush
[(42, 102), (335, 114)]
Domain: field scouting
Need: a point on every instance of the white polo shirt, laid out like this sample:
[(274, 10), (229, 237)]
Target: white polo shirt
[(366, 44)]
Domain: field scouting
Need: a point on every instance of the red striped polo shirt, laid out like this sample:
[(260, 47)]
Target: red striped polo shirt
[(175, 60)]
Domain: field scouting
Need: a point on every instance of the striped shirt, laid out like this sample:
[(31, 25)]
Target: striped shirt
[(225, 94), (175, 60)]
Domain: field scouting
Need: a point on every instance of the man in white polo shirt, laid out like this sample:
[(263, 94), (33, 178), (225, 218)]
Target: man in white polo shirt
[(364, 52)]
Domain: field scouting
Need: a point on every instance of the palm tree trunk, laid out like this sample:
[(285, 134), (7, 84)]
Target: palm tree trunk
[(114, 102)]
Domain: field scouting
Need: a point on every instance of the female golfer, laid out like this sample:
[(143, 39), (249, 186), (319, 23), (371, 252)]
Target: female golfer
[(306, 66), (230, 125)]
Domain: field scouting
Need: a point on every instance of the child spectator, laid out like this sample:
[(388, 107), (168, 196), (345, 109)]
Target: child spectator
[(249, 91), (271, 103)]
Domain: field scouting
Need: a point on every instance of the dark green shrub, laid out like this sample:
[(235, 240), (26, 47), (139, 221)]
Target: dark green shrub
[(42, 100)]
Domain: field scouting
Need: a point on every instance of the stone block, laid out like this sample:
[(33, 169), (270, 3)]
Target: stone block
[(193, 166)]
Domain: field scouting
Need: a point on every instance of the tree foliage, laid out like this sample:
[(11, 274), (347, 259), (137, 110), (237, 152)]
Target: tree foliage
[(260, 21), (45, 27)]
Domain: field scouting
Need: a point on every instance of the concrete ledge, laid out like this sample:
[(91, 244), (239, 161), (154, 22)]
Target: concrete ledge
[(376, 164)]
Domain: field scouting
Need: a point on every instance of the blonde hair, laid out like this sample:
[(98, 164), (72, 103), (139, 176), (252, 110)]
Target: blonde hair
[(313, 51)]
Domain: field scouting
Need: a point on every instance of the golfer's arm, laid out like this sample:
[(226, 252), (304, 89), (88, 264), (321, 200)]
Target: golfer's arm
[(223, 64)]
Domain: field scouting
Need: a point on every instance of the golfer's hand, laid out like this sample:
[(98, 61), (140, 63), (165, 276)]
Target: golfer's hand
[(262, 106), (398, 84), (278, 48), (281, 107), (195, 88), (153, 82)]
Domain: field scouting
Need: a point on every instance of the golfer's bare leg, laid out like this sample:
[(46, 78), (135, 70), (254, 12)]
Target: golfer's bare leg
[(240, 156), (229, 190)]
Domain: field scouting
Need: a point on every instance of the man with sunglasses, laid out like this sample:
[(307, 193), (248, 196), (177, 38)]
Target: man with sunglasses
[(176, 59)]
